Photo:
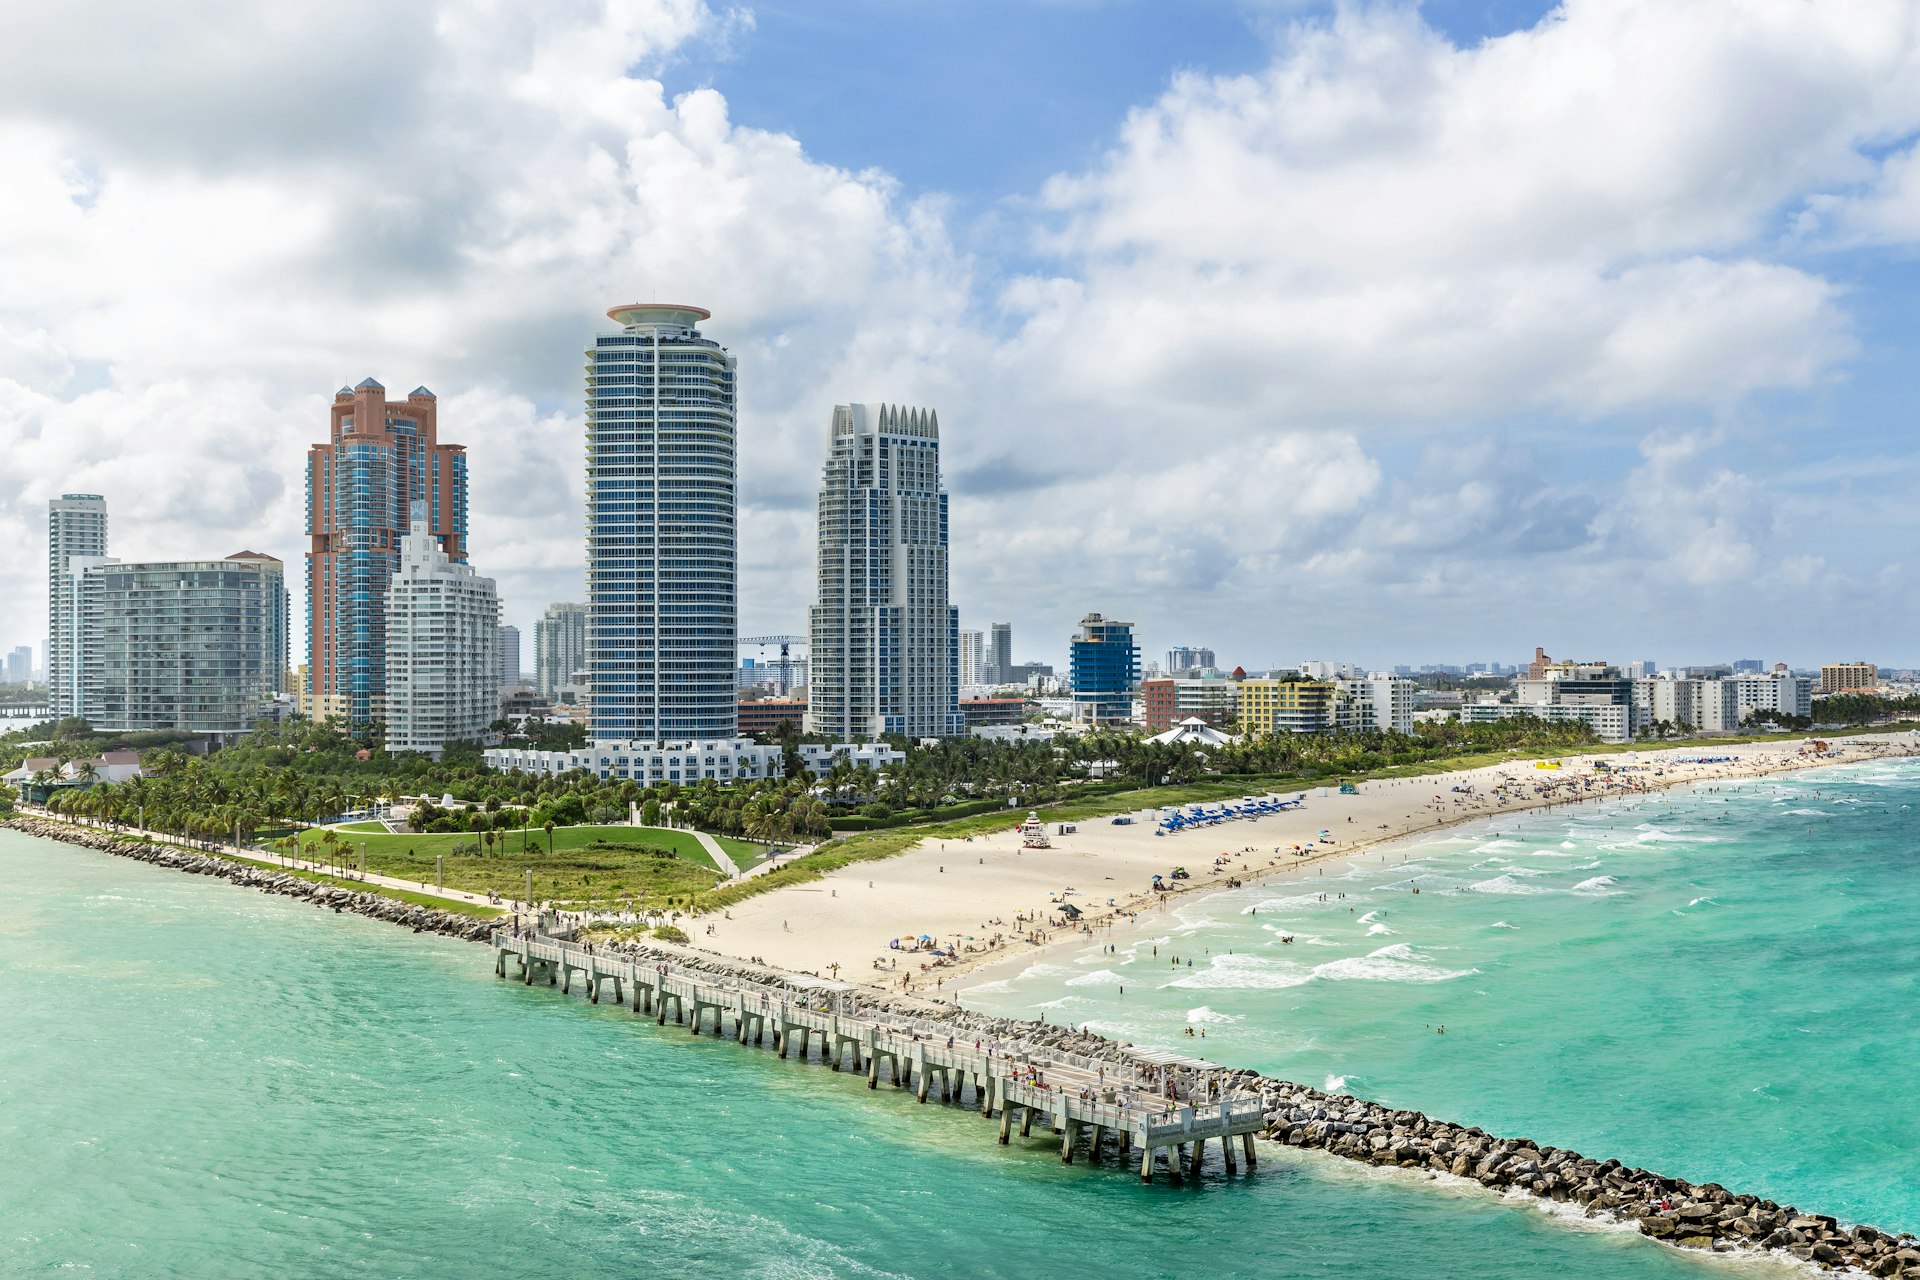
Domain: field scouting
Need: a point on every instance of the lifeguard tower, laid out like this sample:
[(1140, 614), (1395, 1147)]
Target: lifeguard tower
[(1033, 833)]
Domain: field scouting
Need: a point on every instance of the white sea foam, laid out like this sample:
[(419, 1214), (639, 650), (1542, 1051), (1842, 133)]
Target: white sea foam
[(1395, 963), (1504, 884), (1502, 924), (1244, 973), (1808, 813), (998, 987), (1211, 1017), (1599, 886), (1709, 901), (1098, 978), (1376, 929), (1334, 1084)]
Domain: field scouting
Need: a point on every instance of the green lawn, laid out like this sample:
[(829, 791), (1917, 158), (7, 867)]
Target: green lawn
[(745, 853), (376, 828), (575, 872)]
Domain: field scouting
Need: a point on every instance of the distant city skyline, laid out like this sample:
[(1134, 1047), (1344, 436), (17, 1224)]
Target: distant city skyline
[(1432, 394)]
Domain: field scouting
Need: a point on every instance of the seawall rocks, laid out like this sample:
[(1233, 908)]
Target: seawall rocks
[(419, 919)]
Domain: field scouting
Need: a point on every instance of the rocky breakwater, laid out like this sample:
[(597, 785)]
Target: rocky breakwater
[(1691, 1215), (418, 918), (1704, 1216)]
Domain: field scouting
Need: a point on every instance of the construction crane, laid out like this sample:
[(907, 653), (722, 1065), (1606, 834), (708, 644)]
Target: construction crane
[(783, 641), (783, 679)]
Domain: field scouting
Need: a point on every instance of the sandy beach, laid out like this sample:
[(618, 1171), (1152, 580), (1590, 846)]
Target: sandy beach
[(988, 901)]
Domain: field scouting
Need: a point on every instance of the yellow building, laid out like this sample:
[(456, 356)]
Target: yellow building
[(1849, 677), (1293, 706)]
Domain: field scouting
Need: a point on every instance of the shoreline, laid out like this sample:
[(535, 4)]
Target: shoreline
[(931, 890), (1705, 1217)]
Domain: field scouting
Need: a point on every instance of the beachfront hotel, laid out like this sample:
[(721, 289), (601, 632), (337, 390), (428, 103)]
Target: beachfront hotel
[(380, 458), (443, 647), (661, 543), (76, 529), (885, 651)]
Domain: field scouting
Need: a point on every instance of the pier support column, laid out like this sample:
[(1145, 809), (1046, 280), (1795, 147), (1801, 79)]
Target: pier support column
[(593, 988), (920, 1091), (566, 978), (1093, 1143), (1146, 1164), (873, 1071), (1199, 1148), (1226, 1149), (1006, 1124), (499, 964), (983, 1090), (1246, 1146), (1067, 1139), (1026, 1121), (526, 971), (619, 997)]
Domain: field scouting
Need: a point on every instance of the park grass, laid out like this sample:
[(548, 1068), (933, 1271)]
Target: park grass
[(454, 905), (373, 828), (745, 853), (601, 865)]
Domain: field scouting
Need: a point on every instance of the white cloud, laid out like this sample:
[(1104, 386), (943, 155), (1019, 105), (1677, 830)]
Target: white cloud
[(1248, 307)]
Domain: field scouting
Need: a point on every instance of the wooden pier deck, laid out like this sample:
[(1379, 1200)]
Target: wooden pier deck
[(1126, 1110)]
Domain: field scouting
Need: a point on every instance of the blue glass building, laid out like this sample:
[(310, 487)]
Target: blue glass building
[(1106, 670)]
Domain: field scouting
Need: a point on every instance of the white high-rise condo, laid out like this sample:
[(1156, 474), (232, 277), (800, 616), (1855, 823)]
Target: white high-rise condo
[(76, 530), (559, 647), (443, 655), (886, 644), (661, 548)]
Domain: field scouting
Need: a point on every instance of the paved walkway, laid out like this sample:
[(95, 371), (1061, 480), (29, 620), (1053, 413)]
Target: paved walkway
[(274, 859)]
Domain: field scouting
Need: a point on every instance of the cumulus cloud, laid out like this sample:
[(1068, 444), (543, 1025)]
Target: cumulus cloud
[(1274, 331)]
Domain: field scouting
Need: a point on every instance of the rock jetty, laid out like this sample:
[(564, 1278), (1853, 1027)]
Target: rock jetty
[(392, 910), (1704, 1216)]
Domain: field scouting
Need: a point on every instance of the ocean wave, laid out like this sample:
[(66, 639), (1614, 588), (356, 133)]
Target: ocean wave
[(1709, 901), (1244, 973), (1212, 1017), (1808, 813), (1598, 886), (1334, 1083), (1396, 963), (1098, 978), (1502, 924), (998, 987), (1376, 929), (1504, 884)]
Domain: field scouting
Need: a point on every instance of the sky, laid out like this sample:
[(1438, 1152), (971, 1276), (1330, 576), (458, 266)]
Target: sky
[(1378, 332)]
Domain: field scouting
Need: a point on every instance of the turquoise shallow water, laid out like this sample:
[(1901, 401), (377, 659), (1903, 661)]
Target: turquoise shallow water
[(201, 1081), (1717, 984)]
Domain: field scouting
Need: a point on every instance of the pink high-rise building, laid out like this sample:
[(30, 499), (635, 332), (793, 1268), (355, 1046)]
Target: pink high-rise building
[(381, 457)]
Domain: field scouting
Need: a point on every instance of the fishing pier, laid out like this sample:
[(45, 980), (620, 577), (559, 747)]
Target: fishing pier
[(1156, 1105)]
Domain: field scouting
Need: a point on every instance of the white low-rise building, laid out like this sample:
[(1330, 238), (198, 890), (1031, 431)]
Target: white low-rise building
[(1379, 701), (724, 760), (1611, 722)]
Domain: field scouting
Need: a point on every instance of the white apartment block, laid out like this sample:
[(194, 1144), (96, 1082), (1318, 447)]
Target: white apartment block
[(724, 760), (1381, 700), (443, 660)]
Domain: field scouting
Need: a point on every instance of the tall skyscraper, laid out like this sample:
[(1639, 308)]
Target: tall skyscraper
[(20, 665), (442, 656), (76, 530), (886, 644), (199, 645), (661, 543), (999, 666), (559, 647), (973, 659), (1106, 670), (509, 650), (381, 457)]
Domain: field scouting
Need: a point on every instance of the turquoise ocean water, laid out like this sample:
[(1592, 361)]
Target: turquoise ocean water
[(201, 1081), (1717, 984)]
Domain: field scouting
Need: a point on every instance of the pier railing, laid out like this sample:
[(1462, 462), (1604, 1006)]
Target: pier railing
[(1015, 1079)]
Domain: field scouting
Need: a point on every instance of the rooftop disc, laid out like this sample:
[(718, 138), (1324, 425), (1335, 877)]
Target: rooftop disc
[(666, 314)]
